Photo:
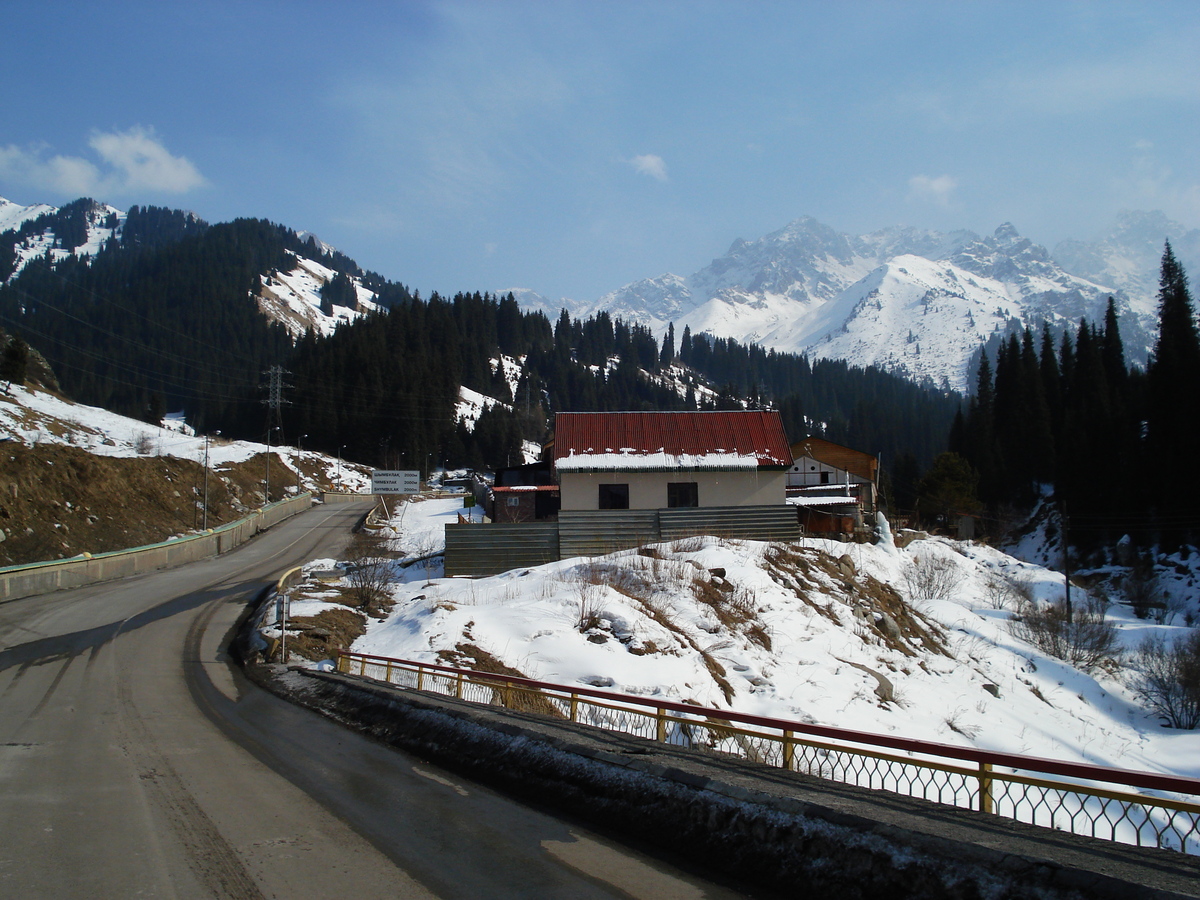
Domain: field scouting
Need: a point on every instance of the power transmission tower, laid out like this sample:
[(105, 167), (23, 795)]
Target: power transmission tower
[(274, 402)]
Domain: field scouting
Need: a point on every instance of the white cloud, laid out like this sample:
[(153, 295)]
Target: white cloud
[(143, 163), (651, 165), (130, 161), (937, 190)]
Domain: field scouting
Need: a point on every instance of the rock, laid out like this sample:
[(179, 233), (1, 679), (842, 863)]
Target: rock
[(889, 627)]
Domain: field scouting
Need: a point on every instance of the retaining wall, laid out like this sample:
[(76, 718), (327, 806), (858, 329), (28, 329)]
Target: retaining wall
[(63, 574)]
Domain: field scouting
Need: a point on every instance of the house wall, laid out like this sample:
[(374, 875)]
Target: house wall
[(806, 472), (518, 506), (842, 458), (648, 490)]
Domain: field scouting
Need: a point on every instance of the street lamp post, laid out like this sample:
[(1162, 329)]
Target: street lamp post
[(339, 468), (206, 440), (273, 428), (299, 459)]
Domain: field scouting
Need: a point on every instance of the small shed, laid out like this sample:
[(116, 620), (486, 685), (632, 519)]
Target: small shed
[(835, 487), (661, 460)]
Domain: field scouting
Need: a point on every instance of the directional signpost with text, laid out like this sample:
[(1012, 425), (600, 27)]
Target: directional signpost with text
[(401, 481)]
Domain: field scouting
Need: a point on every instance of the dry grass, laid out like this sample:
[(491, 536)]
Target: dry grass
[(321, 636)]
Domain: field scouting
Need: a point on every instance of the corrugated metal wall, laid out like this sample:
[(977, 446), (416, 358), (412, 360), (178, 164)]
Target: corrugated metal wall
[(596, 532), (478, 550), (758, 523)]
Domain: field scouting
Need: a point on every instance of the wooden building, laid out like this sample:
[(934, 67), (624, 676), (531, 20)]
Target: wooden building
[(835, 487)]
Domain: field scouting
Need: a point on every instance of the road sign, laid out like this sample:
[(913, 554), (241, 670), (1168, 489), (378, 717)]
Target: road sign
[(400, 481)]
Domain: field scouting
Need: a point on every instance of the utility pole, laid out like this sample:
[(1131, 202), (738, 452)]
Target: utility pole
[(1066, 524), (206, 440)]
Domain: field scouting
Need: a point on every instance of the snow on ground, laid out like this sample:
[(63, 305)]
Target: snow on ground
[(814, 631), (36, 417)]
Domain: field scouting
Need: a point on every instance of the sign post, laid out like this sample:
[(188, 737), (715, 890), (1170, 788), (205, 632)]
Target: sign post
[(396, 481)]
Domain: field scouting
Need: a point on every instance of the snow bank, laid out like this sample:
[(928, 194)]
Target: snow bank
[(851, 635)]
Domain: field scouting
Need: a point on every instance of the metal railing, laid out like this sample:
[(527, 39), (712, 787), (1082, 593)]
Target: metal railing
[(1090, 800)]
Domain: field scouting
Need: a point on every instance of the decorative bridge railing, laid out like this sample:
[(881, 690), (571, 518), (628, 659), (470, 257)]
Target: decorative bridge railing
[(1130, 807)]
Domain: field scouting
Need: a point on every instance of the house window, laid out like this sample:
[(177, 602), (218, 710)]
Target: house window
[(682, 493), (514, 501), (614, 496), (824, 478)]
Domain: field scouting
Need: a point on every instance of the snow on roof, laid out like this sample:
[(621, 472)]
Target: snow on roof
[(822, 501), (670, 440), (628, 459)]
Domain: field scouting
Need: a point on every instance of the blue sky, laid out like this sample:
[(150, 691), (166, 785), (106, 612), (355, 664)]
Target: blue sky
[(572, 147)]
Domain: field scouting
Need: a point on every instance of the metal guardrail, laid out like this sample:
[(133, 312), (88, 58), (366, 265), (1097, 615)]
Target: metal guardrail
[(1078, 798)]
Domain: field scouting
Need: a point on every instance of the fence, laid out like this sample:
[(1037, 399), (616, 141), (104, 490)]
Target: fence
[(44, 577), (1082, 799), (489, 549)]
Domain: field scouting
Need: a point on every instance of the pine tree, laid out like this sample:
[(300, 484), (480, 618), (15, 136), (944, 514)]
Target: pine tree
[(1173, 408), (14, 364), (667, 355)]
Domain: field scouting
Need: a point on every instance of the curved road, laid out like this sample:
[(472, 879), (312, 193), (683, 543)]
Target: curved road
[(136, 761)]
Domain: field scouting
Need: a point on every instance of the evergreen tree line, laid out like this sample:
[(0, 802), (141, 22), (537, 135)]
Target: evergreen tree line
[(1111, 442)]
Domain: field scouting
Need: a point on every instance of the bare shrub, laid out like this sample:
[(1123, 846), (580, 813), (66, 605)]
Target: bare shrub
[(369, 569), (590, 599), (143, 444), (1085, 639), (932, 578), (1005, 591), (1168, 679), (1141, 591)]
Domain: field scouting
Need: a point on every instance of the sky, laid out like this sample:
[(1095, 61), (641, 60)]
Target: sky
[(573, 147)]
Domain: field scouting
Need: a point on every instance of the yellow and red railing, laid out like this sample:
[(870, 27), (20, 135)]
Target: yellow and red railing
[(1141, 808)]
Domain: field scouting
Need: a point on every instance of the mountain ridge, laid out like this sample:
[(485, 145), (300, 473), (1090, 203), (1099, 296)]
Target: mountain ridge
[(807, 288)]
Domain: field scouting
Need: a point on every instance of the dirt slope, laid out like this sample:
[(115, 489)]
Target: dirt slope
[(59, 501)]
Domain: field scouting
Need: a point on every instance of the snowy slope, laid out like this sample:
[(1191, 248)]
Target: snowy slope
[(293, 299), (809, 631), (13, 216), (37, 417)]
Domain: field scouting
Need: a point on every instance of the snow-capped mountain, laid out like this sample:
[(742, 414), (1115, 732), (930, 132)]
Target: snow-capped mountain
[(919, 303), (82, 232), (293, 297), (1128, 256)]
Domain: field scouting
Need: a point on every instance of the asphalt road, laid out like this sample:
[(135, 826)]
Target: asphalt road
[(136, 761)]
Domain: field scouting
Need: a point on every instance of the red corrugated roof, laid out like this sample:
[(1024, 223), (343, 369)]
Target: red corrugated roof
[(748, 433)]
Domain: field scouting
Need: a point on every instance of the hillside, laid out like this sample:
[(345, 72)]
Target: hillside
[(77, 479)]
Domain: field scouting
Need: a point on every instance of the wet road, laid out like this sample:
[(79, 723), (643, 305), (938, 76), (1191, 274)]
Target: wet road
[(136, 761)]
